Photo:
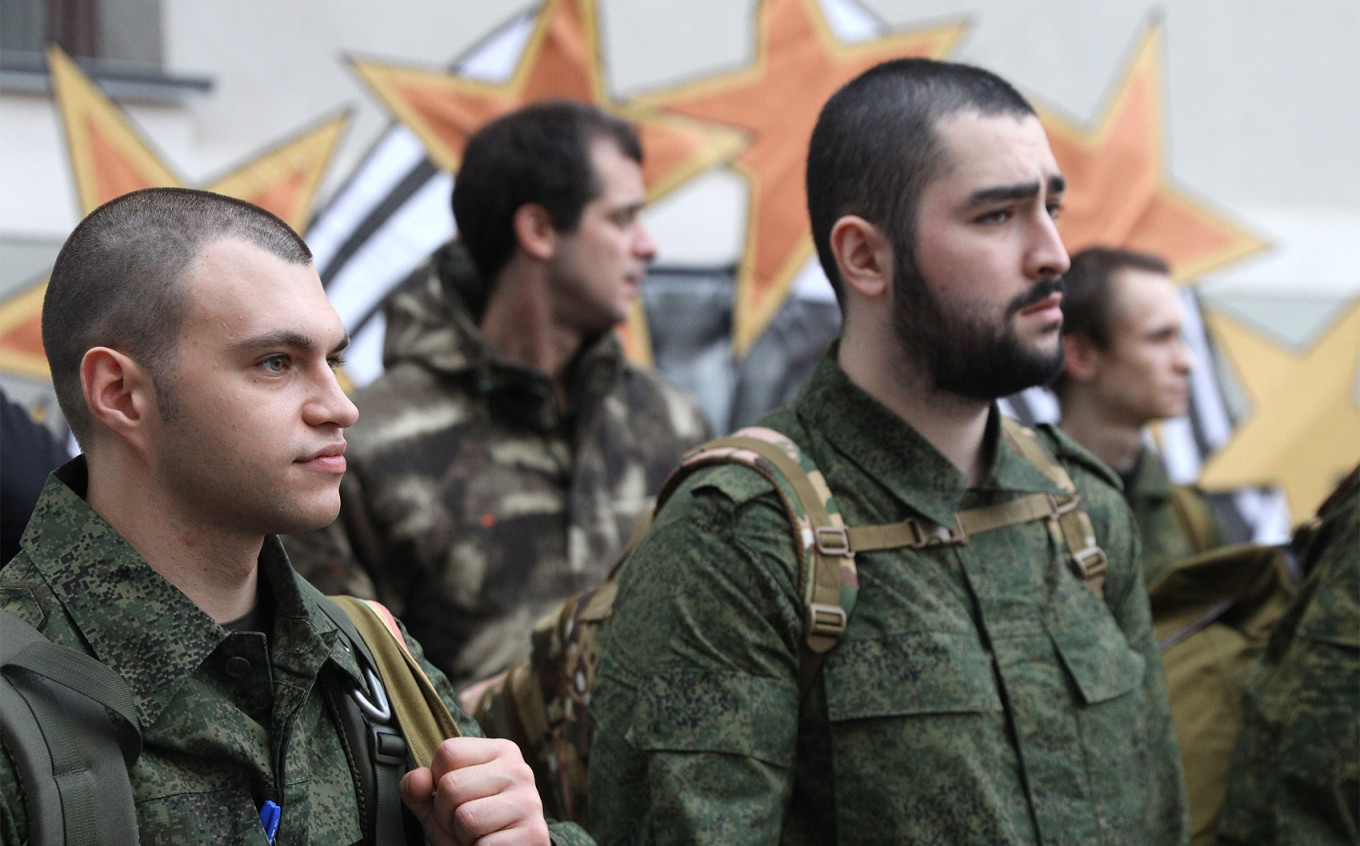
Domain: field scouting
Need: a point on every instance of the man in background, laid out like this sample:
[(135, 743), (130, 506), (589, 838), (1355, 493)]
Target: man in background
[(502, 459), (1127, 365)]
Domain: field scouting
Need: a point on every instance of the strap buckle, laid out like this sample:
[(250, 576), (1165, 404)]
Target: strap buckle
[(833, 540), (1064, 504), (1091, 562), (387, 746), (932, 534), (825, 620)]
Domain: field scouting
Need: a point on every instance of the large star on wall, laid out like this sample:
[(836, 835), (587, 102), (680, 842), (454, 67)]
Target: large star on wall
[(1118, 192), (560, 61), (1304, 430), (109, 158), (799, 64)]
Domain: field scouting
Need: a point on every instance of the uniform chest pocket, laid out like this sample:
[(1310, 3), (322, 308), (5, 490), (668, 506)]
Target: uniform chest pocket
[(1099, 661), (905, 675)]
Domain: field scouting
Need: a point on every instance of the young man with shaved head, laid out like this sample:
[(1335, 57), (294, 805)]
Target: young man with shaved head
[(1127, 365), (988, 688), (193, 352)]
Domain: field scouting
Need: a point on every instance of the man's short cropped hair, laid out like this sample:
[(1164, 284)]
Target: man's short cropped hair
[(875, 148), (540, 154), (1088, 292), (116, 283)]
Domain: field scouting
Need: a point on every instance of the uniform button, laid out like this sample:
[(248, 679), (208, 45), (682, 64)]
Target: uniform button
[(237, 666)]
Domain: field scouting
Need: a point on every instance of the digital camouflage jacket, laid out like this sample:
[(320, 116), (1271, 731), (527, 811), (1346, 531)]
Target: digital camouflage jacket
[(228, 719), (1165, 538), (1295, 774), (982, 694), (472, 505)]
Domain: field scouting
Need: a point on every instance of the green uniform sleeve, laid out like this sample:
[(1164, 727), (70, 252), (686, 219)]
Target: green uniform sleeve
[(1125, 594), (696, 705)]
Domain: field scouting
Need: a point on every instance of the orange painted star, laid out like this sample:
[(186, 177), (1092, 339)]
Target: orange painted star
[(799, 64), (560, 61), (110, 158), (1118, 193), (1304, 430)]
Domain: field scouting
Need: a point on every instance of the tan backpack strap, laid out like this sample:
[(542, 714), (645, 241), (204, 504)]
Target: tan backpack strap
[(1088, 559), (425, 720), (828, 547)]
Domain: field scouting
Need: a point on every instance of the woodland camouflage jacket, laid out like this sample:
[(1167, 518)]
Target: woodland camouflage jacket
[(473, 504)]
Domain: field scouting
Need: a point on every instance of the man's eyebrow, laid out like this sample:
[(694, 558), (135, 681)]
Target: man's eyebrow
[(1018, 191), (286, 338)]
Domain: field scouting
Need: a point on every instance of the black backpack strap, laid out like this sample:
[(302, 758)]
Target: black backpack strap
[(72, 751), (376, 749)]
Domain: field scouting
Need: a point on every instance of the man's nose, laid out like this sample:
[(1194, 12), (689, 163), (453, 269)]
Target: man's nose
[(643, 246), (330, 404), (1046, 257)]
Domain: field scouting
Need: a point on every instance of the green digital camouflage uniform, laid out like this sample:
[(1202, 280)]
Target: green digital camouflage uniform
[(471, 501), (228, 719), (1295, 776), (1165, 539), (982, 694)]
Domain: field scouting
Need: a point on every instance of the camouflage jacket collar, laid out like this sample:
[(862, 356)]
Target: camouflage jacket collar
[(1147, 482), (434, 323), (889, 450), (142, 626)]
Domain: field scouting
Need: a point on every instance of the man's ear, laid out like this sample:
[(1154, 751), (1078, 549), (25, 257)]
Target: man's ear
[(534, 231), (863, 256), (119, 393), (1081, 358)]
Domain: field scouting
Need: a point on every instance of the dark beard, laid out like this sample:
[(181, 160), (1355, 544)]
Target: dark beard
[(961, 351)]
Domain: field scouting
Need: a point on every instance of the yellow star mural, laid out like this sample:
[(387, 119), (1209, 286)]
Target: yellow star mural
[(799, 64), (1118, 192), (560, 61), (110, 158), (1304, 430)]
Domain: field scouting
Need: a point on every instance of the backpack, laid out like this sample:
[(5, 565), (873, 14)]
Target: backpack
[(542, 703), (71, 727), (1212, 615)]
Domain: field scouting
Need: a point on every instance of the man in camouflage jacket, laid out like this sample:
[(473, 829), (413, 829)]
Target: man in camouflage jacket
[(982, 693), (192, 351), (1127, 365), (500, 462), (1295, 775)]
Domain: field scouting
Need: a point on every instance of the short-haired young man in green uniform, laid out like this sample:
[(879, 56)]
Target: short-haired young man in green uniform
[(982, 692), (1127, 365), (193, 352)]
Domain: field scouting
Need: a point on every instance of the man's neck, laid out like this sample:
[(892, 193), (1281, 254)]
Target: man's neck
[(519, 322), (217, 570), (1117, 444), (952, 424)]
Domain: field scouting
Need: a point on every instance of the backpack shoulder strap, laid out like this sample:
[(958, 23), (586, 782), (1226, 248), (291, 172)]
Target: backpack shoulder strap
[(425, 720), (827, 580), (377, 751), (1087, 558), (1192, 512), (71, 726)]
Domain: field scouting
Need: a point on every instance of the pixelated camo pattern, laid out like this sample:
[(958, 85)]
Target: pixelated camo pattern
[(801, 522), (1295, 775)]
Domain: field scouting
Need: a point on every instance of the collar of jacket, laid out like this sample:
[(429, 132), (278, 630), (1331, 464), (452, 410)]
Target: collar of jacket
[(887, 449), (433, 322), (142, 626), (1148, 481)]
